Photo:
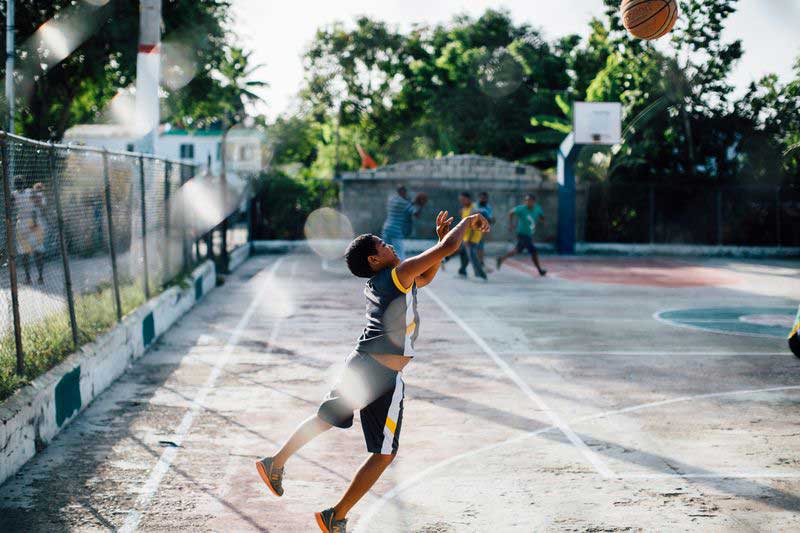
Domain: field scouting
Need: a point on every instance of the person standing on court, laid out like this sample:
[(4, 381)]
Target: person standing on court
[(528, 215), (468, 252), (485, 209), (400, 214), (29, 205)]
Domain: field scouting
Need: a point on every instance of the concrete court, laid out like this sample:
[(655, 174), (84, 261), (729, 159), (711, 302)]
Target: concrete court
[(555, 404)]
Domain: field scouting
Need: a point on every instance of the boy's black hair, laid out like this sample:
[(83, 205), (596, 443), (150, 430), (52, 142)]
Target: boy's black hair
[(357, 255), (531, 196), (465, 194)]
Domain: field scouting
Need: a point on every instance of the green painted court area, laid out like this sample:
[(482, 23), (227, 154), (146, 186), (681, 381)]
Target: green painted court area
[(535, 404)]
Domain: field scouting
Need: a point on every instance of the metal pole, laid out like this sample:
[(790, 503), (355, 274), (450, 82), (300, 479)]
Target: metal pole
[(11, 240), (112, 250), (10, 63), (223, 179), (778, 235), (167, 171), (719, 216), (652, 214), (142, 207), (62, 243), (185, 244)]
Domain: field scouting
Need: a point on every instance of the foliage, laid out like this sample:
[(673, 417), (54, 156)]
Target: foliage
[(465, 87), (49, 341), (283, 203), (78, 88)]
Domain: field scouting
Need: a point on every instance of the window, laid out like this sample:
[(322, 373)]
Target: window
[(219, 151), (187, 151), (130, 148)]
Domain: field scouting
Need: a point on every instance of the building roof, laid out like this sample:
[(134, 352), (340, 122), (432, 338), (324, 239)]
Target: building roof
[(105, 131)]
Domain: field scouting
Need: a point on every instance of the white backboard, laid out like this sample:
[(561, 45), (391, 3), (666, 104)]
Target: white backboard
[(597, 122)]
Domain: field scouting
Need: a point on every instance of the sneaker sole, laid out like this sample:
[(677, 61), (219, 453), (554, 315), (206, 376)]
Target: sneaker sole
[(320, 523), (265, 478)]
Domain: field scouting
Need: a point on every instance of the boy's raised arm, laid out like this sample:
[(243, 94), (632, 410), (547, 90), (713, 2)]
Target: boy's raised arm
[(413, 267)]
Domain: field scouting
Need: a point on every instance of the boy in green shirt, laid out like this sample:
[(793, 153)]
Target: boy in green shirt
[(528, 214)]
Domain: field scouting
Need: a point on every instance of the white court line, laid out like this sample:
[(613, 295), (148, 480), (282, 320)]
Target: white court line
[(376, 507), (168, 456), (557, 421), (590, 353)]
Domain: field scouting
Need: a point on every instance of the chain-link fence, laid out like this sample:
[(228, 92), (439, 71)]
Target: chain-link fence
[(735, 216), (94, 234)]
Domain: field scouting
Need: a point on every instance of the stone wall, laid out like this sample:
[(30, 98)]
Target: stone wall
[(364, 194)]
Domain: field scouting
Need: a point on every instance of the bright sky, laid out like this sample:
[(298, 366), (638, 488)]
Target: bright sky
[(278, 32)]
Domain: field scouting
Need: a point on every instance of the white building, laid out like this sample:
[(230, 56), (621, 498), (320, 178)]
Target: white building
[(244, 146)]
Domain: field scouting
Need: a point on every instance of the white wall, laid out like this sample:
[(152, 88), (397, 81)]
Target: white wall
[(169, 146)]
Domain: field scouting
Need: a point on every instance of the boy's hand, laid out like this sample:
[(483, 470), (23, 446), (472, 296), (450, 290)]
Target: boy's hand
[(443, 224), (479, 222)]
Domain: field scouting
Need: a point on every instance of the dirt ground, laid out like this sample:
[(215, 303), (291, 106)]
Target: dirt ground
[(613, 395)]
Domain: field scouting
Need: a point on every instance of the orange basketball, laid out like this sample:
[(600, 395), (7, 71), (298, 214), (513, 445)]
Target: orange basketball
[(649, 19)]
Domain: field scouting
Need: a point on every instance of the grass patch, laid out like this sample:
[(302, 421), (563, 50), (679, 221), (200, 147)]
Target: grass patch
[(49, 341)]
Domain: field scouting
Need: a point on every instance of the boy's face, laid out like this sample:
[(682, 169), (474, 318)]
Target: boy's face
[(483, 199), (530, 202), (384, 257), (465, 202)]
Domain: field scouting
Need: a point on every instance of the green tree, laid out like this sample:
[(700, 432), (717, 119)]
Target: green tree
[(77, 88)]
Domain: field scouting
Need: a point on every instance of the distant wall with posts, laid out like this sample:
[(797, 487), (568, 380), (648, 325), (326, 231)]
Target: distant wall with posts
[(364, 194)]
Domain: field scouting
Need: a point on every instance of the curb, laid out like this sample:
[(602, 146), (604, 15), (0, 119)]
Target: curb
[(239, 256), (680, 250), (34, 415)]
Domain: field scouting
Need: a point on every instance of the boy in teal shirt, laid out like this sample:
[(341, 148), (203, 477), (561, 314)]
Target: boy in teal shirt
[(528, 214)]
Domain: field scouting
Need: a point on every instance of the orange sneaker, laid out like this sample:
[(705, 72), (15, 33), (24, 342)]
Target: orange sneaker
[(271, 474)]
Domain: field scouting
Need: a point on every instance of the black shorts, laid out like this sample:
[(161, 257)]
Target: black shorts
[(377, 392), (794, 344), (525, 242)]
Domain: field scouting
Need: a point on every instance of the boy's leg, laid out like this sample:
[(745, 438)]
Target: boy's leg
[(476, 263), (39, 259), (364, 479), (535, 257), (307, 431), (26, 265), (511, 253), (462, 255)]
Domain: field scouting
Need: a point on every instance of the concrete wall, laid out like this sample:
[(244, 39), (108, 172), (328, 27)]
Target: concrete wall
[(364, 194)]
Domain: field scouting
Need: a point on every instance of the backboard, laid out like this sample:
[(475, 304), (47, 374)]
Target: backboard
[(597, 122)]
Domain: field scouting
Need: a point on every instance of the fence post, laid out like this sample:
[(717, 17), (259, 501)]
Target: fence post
[(719, 215), (185, 244), (62, 244), (652, 195), (11, 244), (167, 246), (224, 185), (778, 235), (111, 247), (143, 207)]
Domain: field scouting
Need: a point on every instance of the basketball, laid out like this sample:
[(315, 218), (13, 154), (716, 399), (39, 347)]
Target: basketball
[(649, 19)]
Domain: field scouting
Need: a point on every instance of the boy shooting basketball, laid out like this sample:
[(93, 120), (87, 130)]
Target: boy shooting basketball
[(371, 381)]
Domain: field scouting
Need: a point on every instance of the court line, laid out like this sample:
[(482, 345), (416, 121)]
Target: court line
[(557, 421), (590, 353), (378, 505), (168, 456)]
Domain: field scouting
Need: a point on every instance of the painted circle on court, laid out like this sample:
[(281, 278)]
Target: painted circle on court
[(752, 321)]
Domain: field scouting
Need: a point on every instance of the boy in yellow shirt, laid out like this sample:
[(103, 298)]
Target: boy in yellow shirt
[(468, 253)]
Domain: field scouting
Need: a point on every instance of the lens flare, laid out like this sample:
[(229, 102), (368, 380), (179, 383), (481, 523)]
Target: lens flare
[(328, 232), (499, 74), (178, 66)]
